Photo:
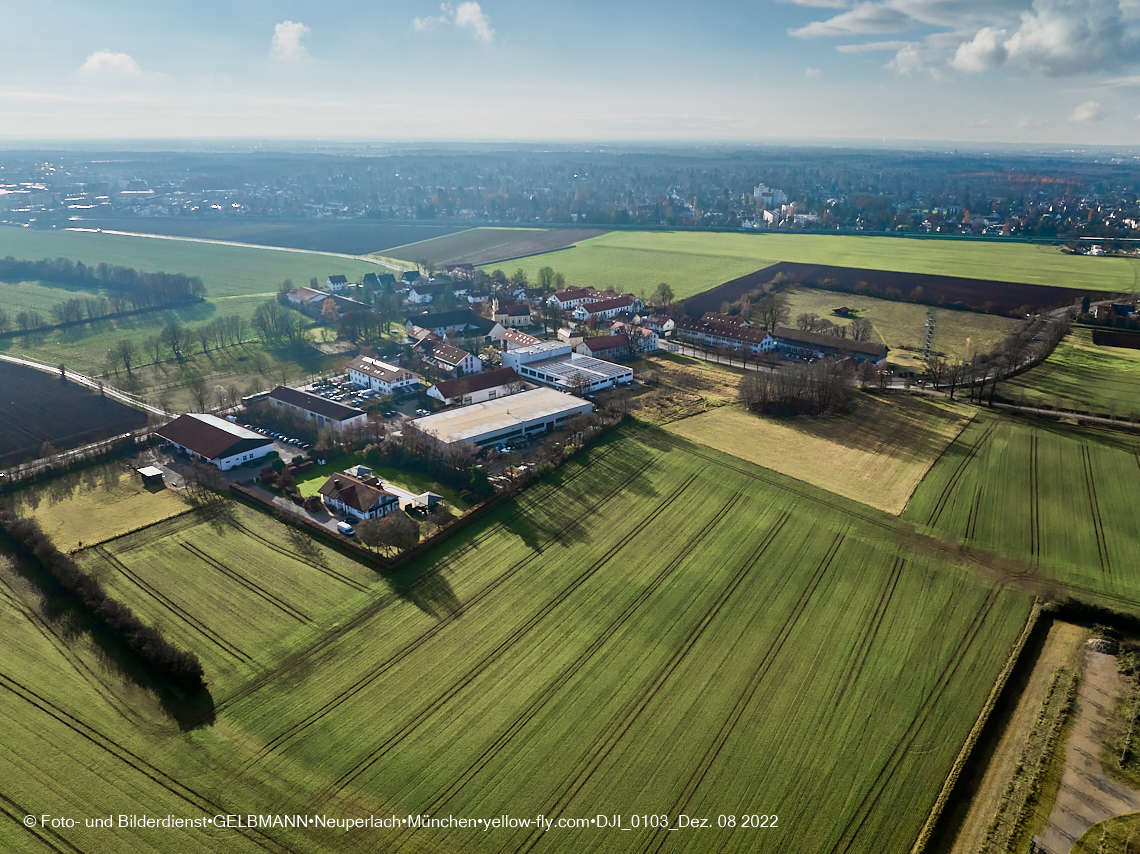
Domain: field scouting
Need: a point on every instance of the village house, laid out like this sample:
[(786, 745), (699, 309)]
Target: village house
[(659, 323), (606, 347), (705, 333), (607, 309), (572, 298), (444, 357), (380, 376), (512, 339), (362, 498), (477, 388), (336, 283), (461, 322)]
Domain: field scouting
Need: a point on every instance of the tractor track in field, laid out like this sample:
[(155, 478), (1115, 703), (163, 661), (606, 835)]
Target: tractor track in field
[(252, 586), (494, 655), (331, 573), (972, 518), (1034, 502), (886, 774), (229, 648), (412, 646), (1094, 505), (85, 673), (547, 694), (708, 760), (375, 608), (867, 641), (137, 763), (17, 813), (952, 483), (626, 717)]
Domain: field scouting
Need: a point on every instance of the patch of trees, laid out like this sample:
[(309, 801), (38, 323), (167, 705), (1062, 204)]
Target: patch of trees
[(821, 388), (164, 660), (127, 288), (275, 324), (414, 451)]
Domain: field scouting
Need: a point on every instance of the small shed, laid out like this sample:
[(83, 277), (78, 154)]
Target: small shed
[(151, 475), (428, 500)]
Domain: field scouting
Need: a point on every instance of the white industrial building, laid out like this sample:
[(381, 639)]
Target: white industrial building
[(553, 363), (506, 420)]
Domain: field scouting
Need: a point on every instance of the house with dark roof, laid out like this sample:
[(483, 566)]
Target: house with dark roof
[(444, 357), (215, 440), (814, 345), (510, 314), (478, 388), (708, 333), (462, 321), (605, 347), (363, 498), (336, 283), (312, 407)]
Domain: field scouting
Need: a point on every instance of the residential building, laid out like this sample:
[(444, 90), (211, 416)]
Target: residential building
[(573, 337), (362, 498), (312, 407), (608, 309), (512, 339), (645, 339), (336, 283), (444, 357), (605, 347), (381, 376), (659, 323), (477, 388), (508, 420), (572, 297), (705, 333), (215, 440)]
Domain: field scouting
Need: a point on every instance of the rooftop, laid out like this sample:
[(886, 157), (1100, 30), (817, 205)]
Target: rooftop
[(477, 382), (469, 422), (314, 403)]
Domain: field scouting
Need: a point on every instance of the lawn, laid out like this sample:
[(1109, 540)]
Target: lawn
[(225, 270), (692, 263), (1082, 376), (656, 628), (958, 334), (876, 454), (94, 504), (1057, 500)]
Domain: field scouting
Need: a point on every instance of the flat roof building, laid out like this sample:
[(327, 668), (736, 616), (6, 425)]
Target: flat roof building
[(505, 420), (554, 364)]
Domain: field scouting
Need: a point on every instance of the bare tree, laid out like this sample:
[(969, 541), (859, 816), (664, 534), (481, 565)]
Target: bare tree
[(861, 329), (198, 390), (773, 311)]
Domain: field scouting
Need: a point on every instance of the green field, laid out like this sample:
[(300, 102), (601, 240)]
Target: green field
[(655, 629), (1082, 376), (226, 270), (692, 263), (1056, 500)]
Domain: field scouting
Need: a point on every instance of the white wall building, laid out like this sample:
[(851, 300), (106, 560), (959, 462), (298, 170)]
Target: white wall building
[(381, 376)]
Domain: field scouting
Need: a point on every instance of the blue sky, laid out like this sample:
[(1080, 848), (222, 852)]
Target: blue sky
[(1033, 71)]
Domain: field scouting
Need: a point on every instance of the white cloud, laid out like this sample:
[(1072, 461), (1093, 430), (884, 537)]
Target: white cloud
[(812, 72), (468, 15), (287, 41), (908, 60), (862, 19), (822, 4), (871, 46), (1122, 82), (109, 62), (1062, 37), (471, 15), (1089, 111), (985, 51)]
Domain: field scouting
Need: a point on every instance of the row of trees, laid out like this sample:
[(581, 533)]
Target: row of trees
[(164, 660), (821, 388), (177, 341), (859, 329), (129, 289)]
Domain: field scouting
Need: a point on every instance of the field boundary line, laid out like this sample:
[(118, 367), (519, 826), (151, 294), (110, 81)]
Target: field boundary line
[(487, 660), (228, 647), (119, 536), (976, 731), (548, 693)]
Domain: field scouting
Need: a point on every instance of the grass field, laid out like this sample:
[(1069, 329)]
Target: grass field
[(692, 263), (655, 629), (225, 270), (1117, 835), (95, 504), (1082, 376), (958, 334), (1056, 498), (876, 454)]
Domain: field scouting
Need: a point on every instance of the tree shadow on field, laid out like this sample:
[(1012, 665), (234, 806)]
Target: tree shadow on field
[(70, 621), (428, 590)]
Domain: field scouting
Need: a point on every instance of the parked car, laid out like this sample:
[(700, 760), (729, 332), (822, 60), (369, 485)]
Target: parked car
[(346, 529)]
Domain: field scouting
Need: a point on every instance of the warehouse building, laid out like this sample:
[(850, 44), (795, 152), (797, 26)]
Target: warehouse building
[(505, 421), (553, 363), (311, 407)]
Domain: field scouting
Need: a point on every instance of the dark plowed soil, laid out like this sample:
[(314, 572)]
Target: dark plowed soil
[(1108, 338), (983, 295)]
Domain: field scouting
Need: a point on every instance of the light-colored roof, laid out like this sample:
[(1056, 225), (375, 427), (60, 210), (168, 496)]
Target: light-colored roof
[(381, 370), (150, 471), (577, 363), (542, 347), (519, 339), (470, 422)]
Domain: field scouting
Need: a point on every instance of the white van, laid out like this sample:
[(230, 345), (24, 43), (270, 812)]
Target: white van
[(345, 529)]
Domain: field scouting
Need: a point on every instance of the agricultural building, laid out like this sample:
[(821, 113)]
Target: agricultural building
[(216, 440), (816, 346), (311, 407), (709, 333), (505, 420), (363, 498), (478, 388), (151, 475), (336, 283), (381, 376), (306, 296)]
